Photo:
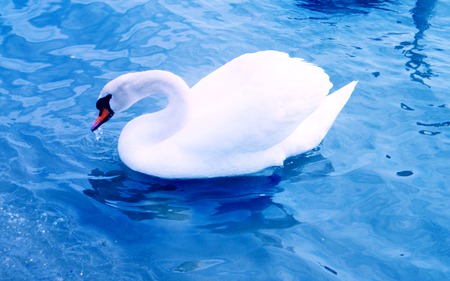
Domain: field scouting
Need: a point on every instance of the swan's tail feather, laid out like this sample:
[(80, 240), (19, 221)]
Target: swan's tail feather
[(337, 100), (316, 125)]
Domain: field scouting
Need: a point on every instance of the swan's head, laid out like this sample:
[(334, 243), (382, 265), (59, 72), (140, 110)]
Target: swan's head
[(125, 90), (116, 96), (105, 111)]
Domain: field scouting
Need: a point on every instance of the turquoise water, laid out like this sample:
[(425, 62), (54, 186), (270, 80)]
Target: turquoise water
[(370, 203)]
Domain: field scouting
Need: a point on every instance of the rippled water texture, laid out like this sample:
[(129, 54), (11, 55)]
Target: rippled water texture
[(370, 203)]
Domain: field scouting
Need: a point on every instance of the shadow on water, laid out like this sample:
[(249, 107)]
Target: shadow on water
[(414, 51), (234, 204), (142, 197), (341, 6)]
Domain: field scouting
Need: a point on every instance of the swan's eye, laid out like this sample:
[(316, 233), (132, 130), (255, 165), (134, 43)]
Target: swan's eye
[(104, 102)]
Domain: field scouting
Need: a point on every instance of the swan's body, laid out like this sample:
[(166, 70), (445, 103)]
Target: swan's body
[(250, 114)]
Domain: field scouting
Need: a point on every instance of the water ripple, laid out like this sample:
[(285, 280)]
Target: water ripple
[(369, 204)]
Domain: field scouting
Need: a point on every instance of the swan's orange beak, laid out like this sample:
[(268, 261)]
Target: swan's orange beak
[(103, 116)]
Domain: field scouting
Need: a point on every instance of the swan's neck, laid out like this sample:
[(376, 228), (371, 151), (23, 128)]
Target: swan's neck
[(130, 88)]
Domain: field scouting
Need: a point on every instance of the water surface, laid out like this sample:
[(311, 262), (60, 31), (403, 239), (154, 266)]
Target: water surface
[(370, 203)]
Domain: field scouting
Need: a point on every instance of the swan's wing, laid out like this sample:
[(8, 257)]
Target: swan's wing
[(253, 102)]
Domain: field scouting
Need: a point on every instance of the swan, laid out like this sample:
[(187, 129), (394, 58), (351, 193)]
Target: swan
[(250, 114)]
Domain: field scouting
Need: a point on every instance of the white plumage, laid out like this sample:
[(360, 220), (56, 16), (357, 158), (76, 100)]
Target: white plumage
[(250, 114)]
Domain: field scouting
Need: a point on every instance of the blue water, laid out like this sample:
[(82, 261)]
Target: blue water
[(370, 203)]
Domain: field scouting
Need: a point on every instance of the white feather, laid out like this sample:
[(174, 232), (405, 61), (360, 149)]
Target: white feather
[(249, 114)]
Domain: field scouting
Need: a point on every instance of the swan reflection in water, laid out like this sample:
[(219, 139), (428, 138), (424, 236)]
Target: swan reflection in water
[(414, 51), (234, 204)]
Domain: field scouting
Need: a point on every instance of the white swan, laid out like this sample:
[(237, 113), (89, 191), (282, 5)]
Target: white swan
[(250, 114)]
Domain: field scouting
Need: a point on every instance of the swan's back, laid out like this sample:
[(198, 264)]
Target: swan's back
[(267, 69), (254, 102)]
